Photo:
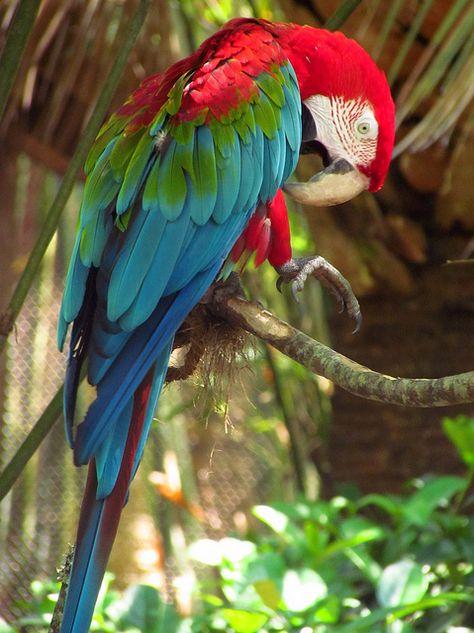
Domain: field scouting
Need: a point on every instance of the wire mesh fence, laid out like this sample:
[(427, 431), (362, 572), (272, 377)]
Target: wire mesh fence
[(220, 473), (33, 518)]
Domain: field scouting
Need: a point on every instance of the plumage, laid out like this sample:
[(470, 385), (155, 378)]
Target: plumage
[(183, 180)]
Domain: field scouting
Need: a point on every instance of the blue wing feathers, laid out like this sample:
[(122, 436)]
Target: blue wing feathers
[(94, 239), (156, 278), (282, 157), (85, 580), (229, 170), (75, 286), (291, 123), (150, 189), (134, 261), (247, 174), (206, 246)]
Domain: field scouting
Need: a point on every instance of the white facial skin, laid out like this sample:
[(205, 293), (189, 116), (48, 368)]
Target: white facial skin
[(347, 129)]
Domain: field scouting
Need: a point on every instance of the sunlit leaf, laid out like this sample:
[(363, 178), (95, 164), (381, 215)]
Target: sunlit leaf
[(302, 588), (328, 611), (401, 583), (244, 621), (268, 592), (206, 551), (273, 518), (234, 550)]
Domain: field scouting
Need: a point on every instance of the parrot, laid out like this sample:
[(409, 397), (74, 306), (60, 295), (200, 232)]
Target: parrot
[(183, 180)]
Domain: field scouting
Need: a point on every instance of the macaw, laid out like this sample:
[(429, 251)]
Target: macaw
[(184, 177)]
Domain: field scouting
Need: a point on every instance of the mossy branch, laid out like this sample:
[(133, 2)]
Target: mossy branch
[(63, 576), (344, 372)]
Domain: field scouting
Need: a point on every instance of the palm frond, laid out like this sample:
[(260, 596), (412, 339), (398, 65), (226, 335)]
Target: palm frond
[(443, 74)]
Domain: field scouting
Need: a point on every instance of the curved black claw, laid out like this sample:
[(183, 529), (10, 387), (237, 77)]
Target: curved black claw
[(296, 272)]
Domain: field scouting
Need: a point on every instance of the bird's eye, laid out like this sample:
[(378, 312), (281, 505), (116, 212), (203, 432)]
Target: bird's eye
[(366, 126), (363, 127)]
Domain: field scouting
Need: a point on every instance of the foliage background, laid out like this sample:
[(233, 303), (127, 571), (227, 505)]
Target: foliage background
[(284, 430)]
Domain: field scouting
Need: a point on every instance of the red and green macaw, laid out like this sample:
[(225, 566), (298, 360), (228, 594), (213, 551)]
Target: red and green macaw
[(186, 175)]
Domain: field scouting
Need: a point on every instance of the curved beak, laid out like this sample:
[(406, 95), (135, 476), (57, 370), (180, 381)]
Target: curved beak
[(337, 183)]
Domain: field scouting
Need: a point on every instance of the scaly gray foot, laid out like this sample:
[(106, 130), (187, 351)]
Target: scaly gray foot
[(296, 272)]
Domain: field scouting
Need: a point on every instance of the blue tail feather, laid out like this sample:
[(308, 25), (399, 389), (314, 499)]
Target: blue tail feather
[(100, 515)]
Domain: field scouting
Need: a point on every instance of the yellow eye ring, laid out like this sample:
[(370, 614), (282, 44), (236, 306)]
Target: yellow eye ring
[(363, 127)]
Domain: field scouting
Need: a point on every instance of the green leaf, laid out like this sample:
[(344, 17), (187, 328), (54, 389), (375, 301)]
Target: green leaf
[(418, 509), (430, 602), (365, 623), (212, 600), (328, 611), (265, 573), (268, 592), (364, 535), (302, 588), (244, 621), (316, 538), (401, 583), (390, 504), (282, 525), (142, 608), (460, 431), (266, 565), (273, 518)]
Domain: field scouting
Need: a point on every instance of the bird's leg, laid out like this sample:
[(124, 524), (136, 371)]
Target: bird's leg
[(296, 271)]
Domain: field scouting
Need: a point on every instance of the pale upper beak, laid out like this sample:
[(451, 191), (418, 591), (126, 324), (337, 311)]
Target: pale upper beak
[(337, 183)]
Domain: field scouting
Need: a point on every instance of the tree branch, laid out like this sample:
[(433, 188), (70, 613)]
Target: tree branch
[(347, 374), (64, 573)]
